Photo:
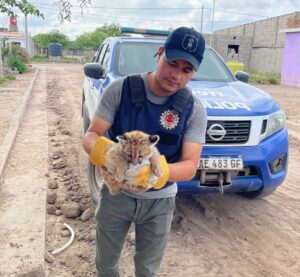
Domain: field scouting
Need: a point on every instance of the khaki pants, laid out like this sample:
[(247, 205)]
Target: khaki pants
[(152, 218)]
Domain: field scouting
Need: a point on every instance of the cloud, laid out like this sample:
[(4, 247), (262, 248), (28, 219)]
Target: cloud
[(154, 14)]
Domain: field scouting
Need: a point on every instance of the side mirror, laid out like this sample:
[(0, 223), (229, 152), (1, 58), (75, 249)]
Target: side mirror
[(242, 76), (93, 70)]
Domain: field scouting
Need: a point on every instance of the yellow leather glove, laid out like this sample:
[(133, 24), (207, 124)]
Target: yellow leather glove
[(141, 175), (98, 155), (163, 179)]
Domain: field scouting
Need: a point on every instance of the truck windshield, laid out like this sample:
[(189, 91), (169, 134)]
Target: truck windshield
[(139, 57)]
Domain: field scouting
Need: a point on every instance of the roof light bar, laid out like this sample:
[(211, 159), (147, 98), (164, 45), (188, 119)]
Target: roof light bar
[(151, 32)]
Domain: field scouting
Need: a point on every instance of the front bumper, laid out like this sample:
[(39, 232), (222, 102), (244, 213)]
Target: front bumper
[(258, 157)]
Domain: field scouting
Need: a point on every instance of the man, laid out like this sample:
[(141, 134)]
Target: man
[(156, 103)]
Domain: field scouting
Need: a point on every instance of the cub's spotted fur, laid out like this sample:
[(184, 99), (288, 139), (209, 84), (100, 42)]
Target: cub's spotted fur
[(132, 148)]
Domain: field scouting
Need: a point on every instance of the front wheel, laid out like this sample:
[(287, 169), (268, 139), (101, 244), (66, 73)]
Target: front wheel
[(85, 118), (95, 180)]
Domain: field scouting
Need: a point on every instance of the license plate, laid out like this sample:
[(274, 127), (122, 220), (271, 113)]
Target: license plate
[(221, 162)]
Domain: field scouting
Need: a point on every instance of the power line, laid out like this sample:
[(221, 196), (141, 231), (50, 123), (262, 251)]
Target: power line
[(248, 14), (148, 8), (120, 17), (147, 19)]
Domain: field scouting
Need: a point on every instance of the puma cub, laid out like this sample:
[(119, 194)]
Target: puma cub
[(132, 148)]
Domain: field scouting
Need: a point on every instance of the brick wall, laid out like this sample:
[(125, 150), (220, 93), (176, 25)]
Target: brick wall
[(267, 42), (266, 60), (221, 43), (294, 22)]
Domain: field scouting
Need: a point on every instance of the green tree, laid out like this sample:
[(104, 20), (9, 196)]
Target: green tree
[(65, 8), (40, 40), (91, 41), (84, 42), (73, 45), (55, 36), (8, 7), (111, 29)]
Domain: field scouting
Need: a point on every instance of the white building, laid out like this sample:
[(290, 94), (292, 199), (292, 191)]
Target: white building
[(18, 38)]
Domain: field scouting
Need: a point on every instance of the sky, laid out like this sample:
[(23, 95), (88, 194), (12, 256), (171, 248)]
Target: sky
[(154, 14)]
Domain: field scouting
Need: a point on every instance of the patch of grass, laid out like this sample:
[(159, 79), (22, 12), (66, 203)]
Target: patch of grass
[(70, 60), (86, 59), (264, 78), (5, 78), (10, 77), (45, 59), (39, 59)]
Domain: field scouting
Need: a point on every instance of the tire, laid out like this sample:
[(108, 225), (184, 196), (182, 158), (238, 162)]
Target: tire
[(257, 194), (95, 181), (82, 103), (85, 118)]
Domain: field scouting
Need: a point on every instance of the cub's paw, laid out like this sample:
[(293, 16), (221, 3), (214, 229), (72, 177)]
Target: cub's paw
[(157, 170), (120, 176)]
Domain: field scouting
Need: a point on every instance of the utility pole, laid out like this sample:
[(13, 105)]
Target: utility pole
[(212, 24), (26, 34), (1, 62), (202, 18)]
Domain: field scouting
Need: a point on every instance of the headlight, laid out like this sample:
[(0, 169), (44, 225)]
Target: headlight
[(276, 121)]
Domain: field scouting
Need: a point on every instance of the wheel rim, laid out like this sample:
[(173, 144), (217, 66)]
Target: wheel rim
[(98, 177), (95, 181), (98, 180)]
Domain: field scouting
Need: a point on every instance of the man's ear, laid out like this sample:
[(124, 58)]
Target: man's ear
[(160, 51)]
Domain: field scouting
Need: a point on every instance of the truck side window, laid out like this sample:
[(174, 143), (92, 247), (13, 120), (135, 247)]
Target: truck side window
[(95, 56), (106, 57), (101, 53)]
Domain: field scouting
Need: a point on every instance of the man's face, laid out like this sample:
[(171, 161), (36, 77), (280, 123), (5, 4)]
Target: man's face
[(172, 75)]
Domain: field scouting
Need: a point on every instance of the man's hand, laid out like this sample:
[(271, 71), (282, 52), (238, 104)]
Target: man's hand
[(98, 155), (141, 175)]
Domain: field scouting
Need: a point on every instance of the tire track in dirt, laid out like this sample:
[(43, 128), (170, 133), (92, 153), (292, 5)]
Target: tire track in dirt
[(68, 196)]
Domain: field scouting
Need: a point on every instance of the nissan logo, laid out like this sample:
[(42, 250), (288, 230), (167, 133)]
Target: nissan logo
[(216, 132)]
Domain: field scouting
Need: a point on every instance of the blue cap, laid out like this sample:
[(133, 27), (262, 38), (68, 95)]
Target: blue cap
[(185, 44)]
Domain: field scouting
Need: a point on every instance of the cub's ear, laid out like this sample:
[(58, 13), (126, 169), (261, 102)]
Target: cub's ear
[(122, 139), (153, 139)]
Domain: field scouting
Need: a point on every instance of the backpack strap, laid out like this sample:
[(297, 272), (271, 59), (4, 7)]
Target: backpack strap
[(137, 92), (181, 99), (137, 89)]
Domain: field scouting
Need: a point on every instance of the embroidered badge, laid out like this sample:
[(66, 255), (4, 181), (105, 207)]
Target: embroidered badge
[(169, 119), (190, 43)]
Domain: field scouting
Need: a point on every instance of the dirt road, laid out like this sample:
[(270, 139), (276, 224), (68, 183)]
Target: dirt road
[(212, 235)]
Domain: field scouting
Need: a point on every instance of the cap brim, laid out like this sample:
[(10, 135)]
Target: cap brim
[(173, 55)]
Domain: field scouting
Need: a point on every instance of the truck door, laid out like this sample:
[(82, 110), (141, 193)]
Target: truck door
[(95, 84)]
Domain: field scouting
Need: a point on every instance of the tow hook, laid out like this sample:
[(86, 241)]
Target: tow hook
[(221, 181)]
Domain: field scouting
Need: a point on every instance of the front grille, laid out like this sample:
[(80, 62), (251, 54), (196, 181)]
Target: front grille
[(236, 132)]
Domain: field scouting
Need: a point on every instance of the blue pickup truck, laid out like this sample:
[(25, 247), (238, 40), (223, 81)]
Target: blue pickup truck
[(246, 148)]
